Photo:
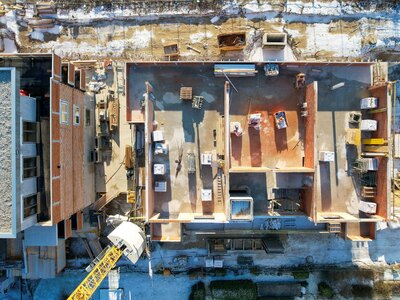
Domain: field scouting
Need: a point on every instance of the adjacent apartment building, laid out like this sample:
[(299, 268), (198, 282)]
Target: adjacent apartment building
[(47, 117)]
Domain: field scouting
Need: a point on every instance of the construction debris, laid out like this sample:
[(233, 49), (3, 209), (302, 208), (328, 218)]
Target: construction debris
[(171, 50), (194, 49), (232, 41)]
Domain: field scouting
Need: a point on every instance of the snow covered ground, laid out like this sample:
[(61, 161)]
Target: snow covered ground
[(324, 249), (317, 29)]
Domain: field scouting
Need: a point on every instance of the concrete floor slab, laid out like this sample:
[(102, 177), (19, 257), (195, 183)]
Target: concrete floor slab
[(111, 174), (268, 147), (186, 130), (336, 187), (256, 183)]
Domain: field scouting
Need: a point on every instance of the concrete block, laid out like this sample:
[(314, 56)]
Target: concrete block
[(274, 40)]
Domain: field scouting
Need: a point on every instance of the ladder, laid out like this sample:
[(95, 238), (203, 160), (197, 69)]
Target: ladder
[(220, 188)]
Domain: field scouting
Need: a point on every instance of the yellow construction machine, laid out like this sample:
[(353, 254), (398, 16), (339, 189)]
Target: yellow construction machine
[(128, 239)]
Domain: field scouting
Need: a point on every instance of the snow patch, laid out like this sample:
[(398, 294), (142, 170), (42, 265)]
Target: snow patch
[(103, 13), (54, 30), (340, 45), (257, 6), (9, 46), (10, 20), (200, 36), (315, 7), (115, 46), (141, 38), (37, 35)]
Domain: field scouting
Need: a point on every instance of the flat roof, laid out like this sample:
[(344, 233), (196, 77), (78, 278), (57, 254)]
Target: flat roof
[(266, 149), (337, 187), (186, 131)]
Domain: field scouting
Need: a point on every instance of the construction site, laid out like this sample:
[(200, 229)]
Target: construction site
[(199, 150)]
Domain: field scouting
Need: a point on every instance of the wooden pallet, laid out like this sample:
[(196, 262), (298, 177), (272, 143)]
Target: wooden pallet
[(380, 149), (368, 192), (334, 227), (186, 93), (113, 110)]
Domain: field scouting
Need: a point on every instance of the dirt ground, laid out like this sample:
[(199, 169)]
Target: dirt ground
[(145, 41), (323, 30)]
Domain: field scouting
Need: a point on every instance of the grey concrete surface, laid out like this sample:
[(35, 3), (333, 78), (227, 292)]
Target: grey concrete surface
[(5, 153), (110, 176), (183, 127), (257, 185), (336, 188)]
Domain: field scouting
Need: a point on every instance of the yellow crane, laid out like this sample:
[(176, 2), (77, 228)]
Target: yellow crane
[(128, 239), (92, 281)]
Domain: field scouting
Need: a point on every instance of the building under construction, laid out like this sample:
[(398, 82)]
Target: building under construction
[(236, 146), (236, 155)]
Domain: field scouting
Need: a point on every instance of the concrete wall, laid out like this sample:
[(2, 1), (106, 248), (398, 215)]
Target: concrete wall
[(227, 142), (308, 202), (56, 64), (55, 209), (150, 195), (309, 125), (382, 182), (61, 256), (89, 193), (44, 252), (8, 166), (381, 93), (71, 74), (382, 189), (41, 236), (42, 261)]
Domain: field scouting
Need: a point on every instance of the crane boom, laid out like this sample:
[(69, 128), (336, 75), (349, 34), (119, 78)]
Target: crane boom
[(92, 281)]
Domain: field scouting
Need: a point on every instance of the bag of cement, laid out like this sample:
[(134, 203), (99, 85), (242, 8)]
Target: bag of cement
[(369, 125), (367, 207)]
